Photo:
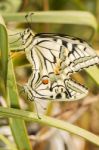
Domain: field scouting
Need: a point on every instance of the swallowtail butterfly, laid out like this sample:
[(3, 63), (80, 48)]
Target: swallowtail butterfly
[(57, 53), (60, 90)]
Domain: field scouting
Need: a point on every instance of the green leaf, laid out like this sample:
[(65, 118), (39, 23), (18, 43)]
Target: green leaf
[(78, 17), (81, 18), (63, 125), (4, 50), (17, 125)]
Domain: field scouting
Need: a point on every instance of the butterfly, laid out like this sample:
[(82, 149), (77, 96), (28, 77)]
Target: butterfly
[(67, 90), (57, 53)]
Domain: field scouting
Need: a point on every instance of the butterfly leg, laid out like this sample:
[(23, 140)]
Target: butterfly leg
[(32, 97), (36, 109)]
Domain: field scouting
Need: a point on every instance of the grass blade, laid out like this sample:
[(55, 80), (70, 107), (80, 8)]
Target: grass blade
[(4, 50), (81, 18), (78, 17), (17, 125), (29, 116)]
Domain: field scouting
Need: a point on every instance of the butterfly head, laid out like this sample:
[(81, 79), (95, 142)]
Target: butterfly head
[(26, 34)]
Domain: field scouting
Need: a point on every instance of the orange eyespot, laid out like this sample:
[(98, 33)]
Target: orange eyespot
[(45, 81)]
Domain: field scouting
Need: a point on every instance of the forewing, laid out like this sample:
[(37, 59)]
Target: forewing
[(75, 53)]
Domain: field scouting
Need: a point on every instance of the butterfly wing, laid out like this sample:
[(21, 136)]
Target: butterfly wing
[(49, 52), (79, 56), (75, 54)]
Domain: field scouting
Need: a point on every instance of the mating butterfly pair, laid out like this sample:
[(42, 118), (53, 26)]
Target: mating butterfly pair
[(54, 58)]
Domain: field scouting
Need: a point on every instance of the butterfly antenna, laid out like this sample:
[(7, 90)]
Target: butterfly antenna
[(26, 17), (31, 16)]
